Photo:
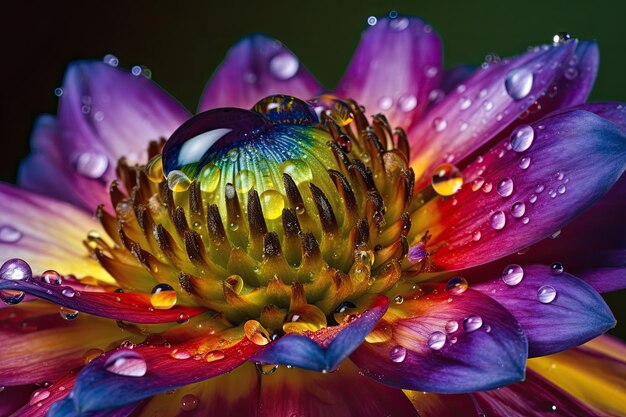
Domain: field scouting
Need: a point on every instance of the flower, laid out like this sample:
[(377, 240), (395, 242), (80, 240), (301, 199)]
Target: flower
[(306, 258)]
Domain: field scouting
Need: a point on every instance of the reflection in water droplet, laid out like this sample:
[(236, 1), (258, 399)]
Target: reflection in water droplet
[(522, 138), (505, 187), (472, 323), (163, 297), (557, 268), (9, 234), (272, 203), (498, 220), (446, 179), (452, 326), (546, 294), (518, 209), (15, 270), (457, 285), (518, 83), (397, 353), (68, 313), (436, 340), (12, 297), (512, 274)]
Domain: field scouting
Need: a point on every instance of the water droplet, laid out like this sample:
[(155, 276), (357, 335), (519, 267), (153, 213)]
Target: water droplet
[(58, 91), (561, 38), (557, 268), (429, 71), (91, 354), (477, 183), (439, 124), (472, 323), (127, 363), (436, 340), (498, 220), (546, 294), (465, 103), (256, 333), (561, 189), (12, 297), (189, 402), (385, 103), (15, 270), (452, 326), (539, 188), (407, 103), (397, 354), (244, 181), (571, 73), (512, 274), (180, 354), (136, 70), (284, 65), (398, 299), (91, 164), (210, 178), (518, 83), (457, 285), (9, 234), (372, 20), (163, 297), (505, 187), (154, 169), (272, 203), (518, 209), (524, 163), (68, 313), (111, 60), (487, 105), (38, 395), (476, 236), (266, 369), (68, 292), (447, 179), (522, 137)]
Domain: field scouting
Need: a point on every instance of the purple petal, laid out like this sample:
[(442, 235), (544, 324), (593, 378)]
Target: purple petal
[(490, 100), (471, 340), (99, 388), (513, 199), (396, 65), (133, 307), (556, 311), (454, 76), (12, 398), (254, 68), (301, 351), (344, 393), (47, 171), (47, 233), (65, 408), (42, 399)]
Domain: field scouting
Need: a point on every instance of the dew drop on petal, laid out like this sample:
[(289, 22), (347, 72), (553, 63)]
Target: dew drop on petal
[(9, 234), (524, 163), (457, 285), (397, 353), (51, 277), (436, 340), (214, 355), (92, 164), (68, 292), (518, 209), (180, 354), (452, 326), (398, 299), (12, 297), (571, 73), (58, 91), (477, 183), (546, 294), (439, 124), (163, 297), (91, 354), (476, 236), (557, 268), (38, 395), (522, 138), (498, 220), (447, 180), (16, 270), (127, 363), (505, 187), (512, 274), (284, 65), (68, 313), (372, 20), (472, 323), (561, 38), (518, 83), (189, 402), (407, 103)]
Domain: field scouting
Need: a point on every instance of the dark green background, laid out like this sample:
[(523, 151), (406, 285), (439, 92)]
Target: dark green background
[(182, 42)]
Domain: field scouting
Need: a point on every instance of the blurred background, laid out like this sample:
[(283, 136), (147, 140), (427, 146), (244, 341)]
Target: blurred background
[(183, 42)]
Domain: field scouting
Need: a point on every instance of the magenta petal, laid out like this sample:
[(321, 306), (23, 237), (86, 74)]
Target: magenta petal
[(46, 397), (512, 199), (47, 171), (556, 310), (489, 100), (132, 307), (99, 388), (254, 68), (483, 346), (12, 398), (396, 65)]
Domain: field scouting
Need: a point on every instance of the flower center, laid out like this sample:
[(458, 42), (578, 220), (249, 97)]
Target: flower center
[(291, 214)]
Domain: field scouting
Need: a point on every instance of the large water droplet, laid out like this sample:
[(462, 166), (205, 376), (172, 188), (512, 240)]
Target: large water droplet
[(272, 203), (512, 274), (518, 209), (546, 294), (452, 326), (163, 297), (284, 65), (498, 220), (436, 340), (447, 179), (15, 270), (9, 234), (397, 353), (12, 297), (522, 137), (472, 323), (38, 395), (505, 187), (127, 363), (189, 402), (518, 83), (92, 164), (457, 285), (51, 277)]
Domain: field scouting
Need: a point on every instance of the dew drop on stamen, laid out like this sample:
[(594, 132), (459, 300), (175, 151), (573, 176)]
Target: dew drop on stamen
[(512, 274), (436, 340), (178, 181), (472, 323), (522, 138), (546, 294), (397, 353)]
